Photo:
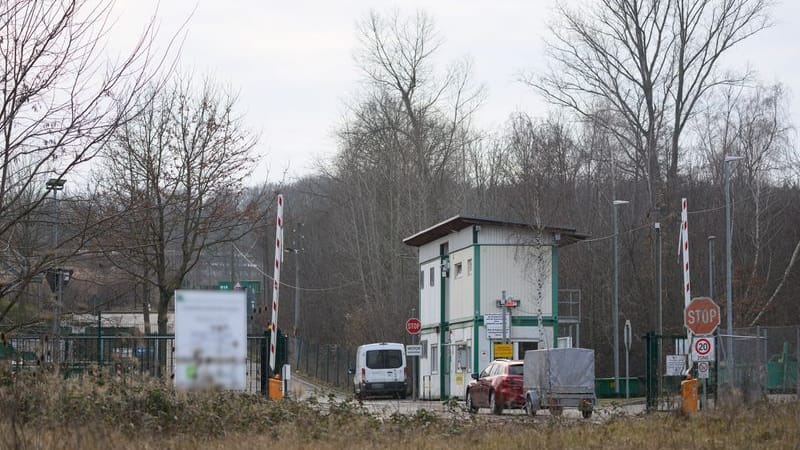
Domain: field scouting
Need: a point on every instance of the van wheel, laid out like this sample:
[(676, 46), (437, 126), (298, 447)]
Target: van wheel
[(493, 405), (471, 406)]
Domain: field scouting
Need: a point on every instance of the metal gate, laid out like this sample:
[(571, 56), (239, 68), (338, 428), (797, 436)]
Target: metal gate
[(663, 387)]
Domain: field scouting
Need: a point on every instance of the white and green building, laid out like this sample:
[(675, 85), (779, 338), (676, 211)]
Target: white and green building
[(488, 289)]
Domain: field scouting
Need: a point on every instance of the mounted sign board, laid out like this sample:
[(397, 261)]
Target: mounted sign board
[(494, 326), (702, 348), (413, 350), (627, 335), (210, 339), (702, 369), (413, 325), (676, 365), (701, 316), (505, 351)]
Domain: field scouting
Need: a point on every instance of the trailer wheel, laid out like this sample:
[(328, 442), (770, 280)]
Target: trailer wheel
[(586, 408)]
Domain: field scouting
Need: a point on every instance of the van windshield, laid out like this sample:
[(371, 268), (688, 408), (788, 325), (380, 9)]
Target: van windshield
[(384, 359)]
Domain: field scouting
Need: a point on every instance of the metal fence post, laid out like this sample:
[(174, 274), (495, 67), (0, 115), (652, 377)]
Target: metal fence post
[(264, 363), (99, 339), (650, 371), (338, 357), (316, 363), (307, 367), (328, 364)]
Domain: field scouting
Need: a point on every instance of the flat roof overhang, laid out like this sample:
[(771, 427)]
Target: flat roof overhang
[(458, 223)]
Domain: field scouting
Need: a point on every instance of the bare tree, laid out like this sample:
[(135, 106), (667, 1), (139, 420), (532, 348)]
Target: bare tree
[(648, 64), (60, 100), (173, 178), (402, 163)]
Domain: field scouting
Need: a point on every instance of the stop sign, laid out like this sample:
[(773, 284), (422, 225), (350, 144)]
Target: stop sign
[(413, 325), (701, 316)]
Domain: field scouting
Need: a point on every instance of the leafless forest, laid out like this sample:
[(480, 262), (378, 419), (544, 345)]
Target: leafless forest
[(643, 108)]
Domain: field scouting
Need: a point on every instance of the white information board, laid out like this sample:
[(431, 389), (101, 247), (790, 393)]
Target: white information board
[(676, 365), (210, 339), (413, 350), (494, 326)]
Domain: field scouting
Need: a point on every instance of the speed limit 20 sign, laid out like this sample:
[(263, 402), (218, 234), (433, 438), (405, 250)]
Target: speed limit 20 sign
[(702, 349)]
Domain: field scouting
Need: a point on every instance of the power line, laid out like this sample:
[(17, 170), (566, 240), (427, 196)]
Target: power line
[(259, 269)]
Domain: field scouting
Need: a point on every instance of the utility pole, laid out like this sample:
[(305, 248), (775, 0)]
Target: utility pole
[(296, 250), (729, 267), (615, 305)]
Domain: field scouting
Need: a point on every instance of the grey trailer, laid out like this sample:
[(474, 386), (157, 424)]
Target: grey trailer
[(559, 378)]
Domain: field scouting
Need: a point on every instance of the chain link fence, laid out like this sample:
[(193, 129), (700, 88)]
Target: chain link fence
[(763, 361), (117, 356), (751, 364)]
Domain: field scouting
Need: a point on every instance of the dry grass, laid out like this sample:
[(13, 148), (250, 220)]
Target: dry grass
[(42, 412)]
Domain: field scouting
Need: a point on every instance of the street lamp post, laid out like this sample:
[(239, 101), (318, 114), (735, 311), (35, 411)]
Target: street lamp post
[(657, 226), (711, 266), (729, 264), (55, 185), (615, 306)]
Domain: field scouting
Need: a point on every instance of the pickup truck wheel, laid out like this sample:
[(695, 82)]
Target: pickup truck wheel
[(529, 408), (471, 406), (494, 406)]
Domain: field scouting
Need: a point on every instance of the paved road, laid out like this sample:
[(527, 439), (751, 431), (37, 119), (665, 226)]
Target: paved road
[(301, 388)]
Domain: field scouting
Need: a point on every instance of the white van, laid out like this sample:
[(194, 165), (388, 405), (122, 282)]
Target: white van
[(380, 370)]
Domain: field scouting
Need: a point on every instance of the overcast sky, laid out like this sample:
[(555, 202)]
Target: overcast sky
[(292, 63)]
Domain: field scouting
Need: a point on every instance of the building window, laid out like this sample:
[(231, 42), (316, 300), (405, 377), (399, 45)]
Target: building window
[(459, 270), (424, 345), (469, 267), (433, 272), (421, 279), (462, 357), (434, 359), (523, 347)]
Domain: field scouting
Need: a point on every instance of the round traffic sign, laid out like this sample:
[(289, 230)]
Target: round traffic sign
[(413, 325), (702, 369), (702, 346)]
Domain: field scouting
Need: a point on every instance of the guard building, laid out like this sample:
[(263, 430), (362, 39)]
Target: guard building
[(488, 289)]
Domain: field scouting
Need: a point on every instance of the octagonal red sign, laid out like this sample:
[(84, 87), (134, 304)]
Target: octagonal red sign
[(413, 325), (702, 316)]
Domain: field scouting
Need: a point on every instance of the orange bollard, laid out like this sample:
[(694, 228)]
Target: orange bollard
[(689, 395), (275, 388)]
